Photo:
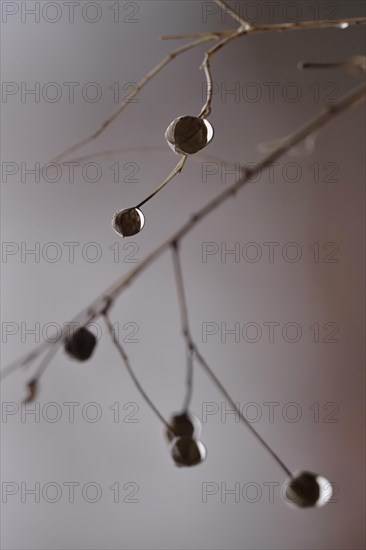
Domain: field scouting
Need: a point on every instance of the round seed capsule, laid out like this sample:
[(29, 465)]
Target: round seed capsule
[(80, 345), (186, 451), (189, 134), (307, 489), (183, 425), (128, 222)]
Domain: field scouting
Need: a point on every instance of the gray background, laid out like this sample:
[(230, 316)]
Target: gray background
[(170, 512)]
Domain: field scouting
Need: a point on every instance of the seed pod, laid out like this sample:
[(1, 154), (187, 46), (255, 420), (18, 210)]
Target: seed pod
[(307, 489), (80, 345), (183, 425), (186, 451), (128, 222), (188, 134)]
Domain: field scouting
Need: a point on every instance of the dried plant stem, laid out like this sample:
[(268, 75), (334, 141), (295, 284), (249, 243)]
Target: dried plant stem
[(97, 306), (33, 382), (193, 351), (233, 13), (338, 64), (227, 396), (185, 323), (315, 124), (187, 36), (173, 173), (197, 157), (86, 316), (244, 29), (46, 361), (206, 109), (278, 27), (172, 55), (127, 364), (206, 65), (201, 38), (354, 63), (25, 360)]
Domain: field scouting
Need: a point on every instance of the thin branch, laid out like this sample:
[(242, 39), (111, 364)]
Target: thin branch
[(200, 156), (278, 27), (25, 360), (185, 324), (354, 97), (316, 123), (227, 396), (173, 173), (244, 29), (172, 55), (206, 109), (341, 24), (216, 34), (33, 384), (87, 315), (127, 364), (333, 65), (357, 62), (243, 22), (47, 360)]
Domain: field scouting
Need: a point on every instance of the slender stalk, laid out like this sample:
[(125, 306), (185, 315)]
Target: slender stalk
[(185, 324), (128, 366), (190, 35), (336, 65), (233, 13), (206, 109), (354, 97), (139, 86), (46, 360), (173, 173), (227, 396), (278, 27), (33, 384), (84, 317), (198, 157), (354, 63), (351, 99), (25, 360)]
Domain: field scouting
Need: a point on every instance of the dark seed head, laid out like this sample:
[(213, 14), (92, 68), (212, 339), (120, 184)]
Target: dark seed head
[(80, 345), (183, 425), (186, 451), (308, 489), (188, 134), (128, 222)]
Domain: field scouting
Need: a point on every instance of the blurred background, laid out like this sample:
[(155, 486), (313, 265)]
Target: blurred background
[(274, 280)]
